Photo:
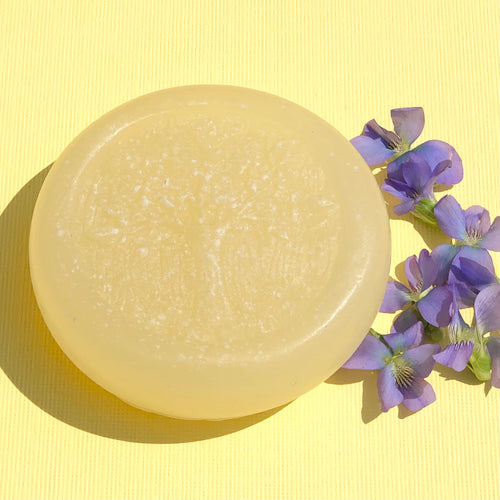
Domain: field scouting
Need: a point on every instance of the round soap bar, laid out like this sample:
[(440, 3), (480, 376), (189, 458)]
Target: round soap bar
[(208, 252)]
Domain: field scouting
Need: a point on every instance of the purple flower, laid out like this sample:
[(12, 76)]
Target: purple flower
[(470, 227), (475, 235), (416, 186), (403, 363), (378, 146), (433, 302), (469, 345), (433, 152)]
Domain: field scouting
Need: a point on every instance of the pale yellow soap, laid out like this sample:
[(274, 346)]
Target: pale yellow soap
[(209, 252)]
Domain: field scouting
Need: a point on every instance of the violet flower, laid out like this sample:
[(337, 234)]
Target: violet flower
[(473, 232), (403, 363), (432, 302), (416, 187), (433, 152), (469, 345), (378, 146), (470, 227)]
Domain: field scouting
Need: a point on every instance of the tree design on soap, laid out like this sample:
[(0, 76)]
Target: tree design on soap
[(233, 224)]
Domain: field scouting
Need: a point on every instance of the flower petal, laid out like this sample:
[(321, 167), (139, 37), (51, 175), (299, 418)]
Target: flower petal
[(421, 359), (467, 278), (394, 170), (388, 392), (395, 298), (479, 255), (443, 256), (411, 337), (397, 188), (428, 188), (435, 307), (404, 320), (491, 240), (370, 355), (458, 327), (487, 309), (456, 355), (413, 274), (463, 293), (434, 152), (416, 172), (375, 131), (418, 395), (473, 273), (408, 123), (373, 151), (450, 217), (414, 335), (493, 348), (404, 208), (370, 131), (428, 269), (396, 341)]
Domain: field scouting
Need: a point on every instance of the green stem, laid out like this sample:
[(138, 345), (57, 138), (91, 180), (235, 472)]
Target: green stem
[(480, 363), (424, 210)]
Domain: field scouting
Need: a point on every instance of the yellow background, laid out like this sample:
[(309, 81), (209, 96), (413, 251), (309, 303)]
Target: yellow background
[(62, 65)]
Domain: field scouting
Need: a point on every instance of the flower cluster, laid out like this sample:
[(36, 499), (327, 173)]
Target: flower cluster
[(440, 284)]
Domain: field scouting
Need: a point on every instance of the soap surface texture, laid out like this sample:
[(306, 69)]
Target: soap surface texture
[(209, 252)]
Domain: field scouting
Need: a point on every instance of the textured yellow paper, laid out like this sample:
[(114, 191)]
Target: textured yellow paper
[(64, 64)]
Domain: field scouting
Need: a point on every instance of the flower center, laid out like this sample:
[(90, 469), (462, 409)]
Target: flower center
[(402, 147), (403, 373), (472, 237), (416, 293), (413, 193), (473, 232), (459, 333), (390, 139)]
